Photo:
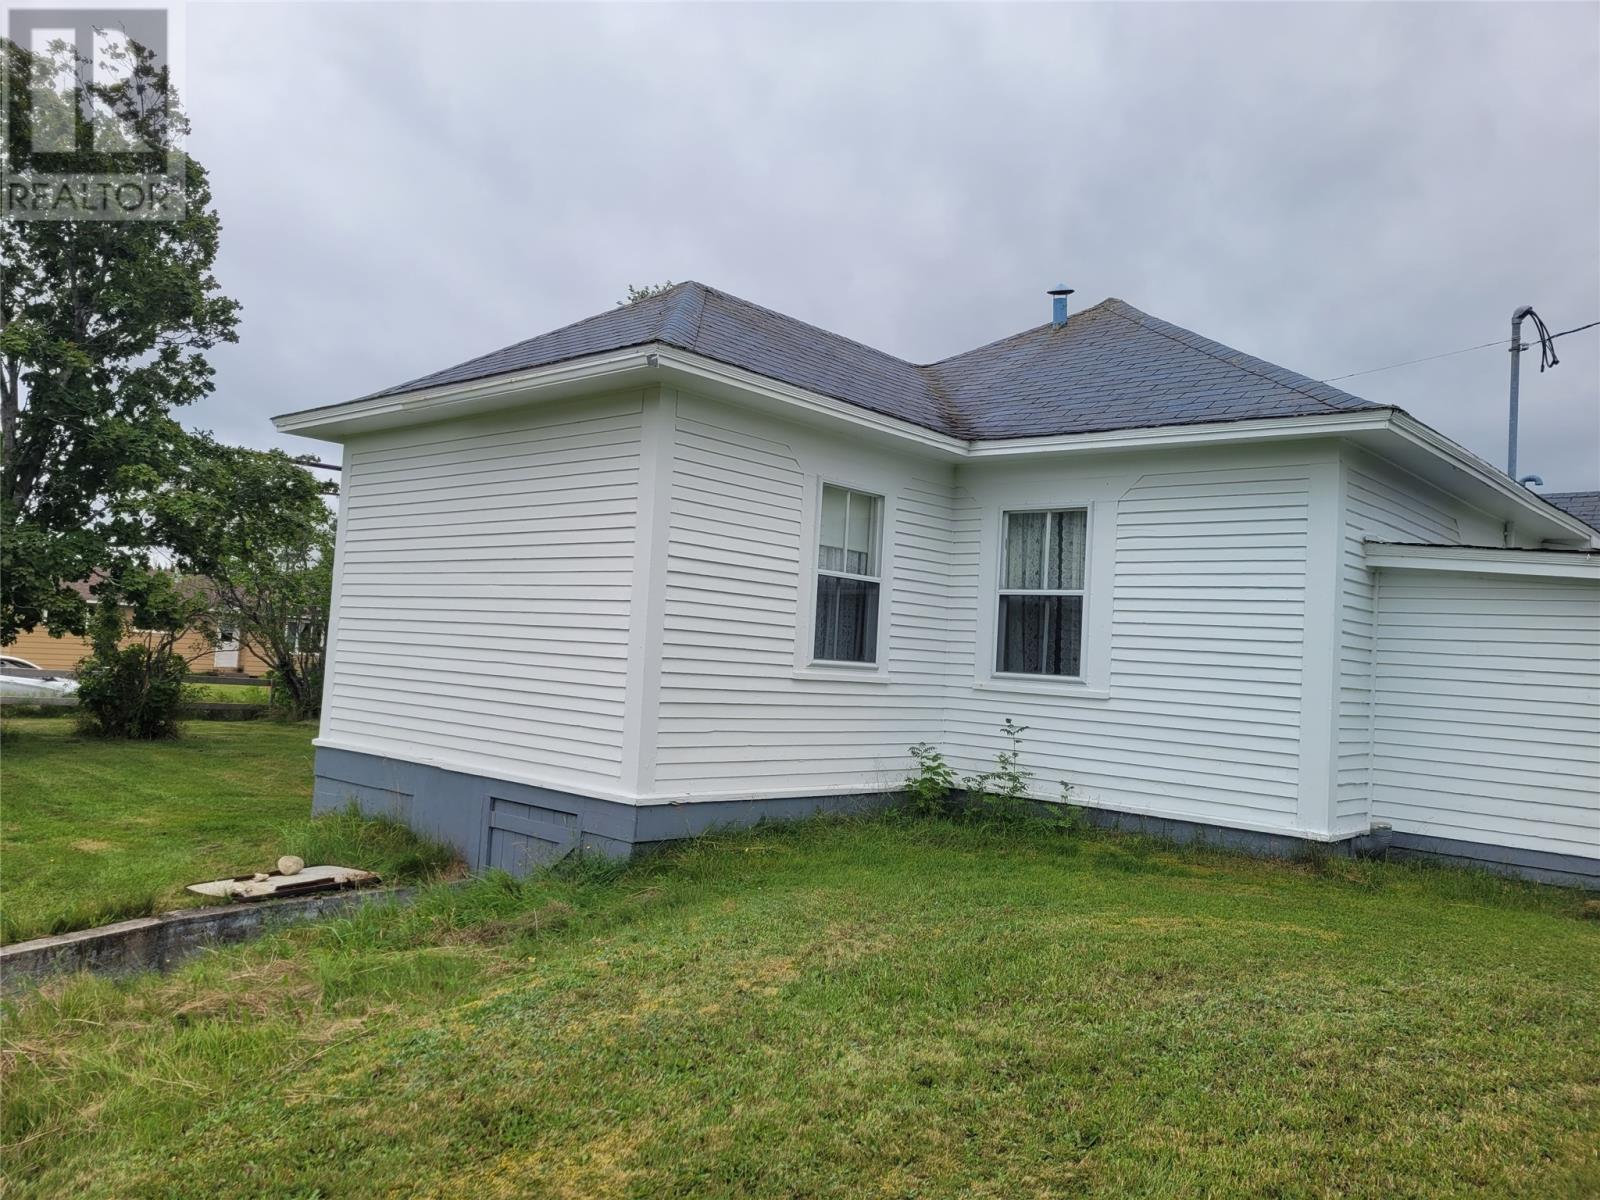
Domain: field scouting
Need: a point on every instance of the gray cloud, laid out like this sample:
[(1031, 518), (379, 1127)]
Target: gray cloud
[(1330, 187)]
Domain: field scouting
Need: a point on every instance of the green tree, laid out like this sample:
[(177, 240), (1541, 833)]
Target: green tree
[(132, 683), (257, 525), (104, 325)]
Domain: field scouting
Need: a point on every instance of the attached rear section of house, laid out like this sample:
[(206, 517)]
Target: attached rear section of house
[(693, 563)]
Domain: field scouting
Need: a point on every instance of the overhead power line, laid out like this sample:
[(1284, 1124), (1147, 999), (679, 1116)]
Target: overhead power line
[(1575, 329), (1411, 362)]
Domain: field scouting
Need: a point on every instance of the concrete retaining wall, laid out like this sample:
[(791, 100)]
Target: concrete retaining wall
[(160, 942)]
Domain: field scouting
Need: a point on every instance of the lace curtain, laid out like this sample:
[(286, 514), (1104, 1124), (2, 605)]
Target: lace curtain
[(1045, 551), (1042, 634)]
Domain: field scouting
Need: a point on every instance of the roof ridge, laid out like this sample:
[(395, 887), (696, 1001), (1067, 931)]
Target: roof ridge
[(605, 312), (693, 295), (1189, 337)]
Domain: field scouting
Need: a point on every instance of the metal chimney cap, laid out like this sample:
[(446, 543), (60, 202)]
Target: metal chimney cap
[(1060, 289)]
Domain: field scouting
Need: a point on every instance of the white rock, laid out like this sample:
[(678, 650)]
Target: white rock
[(289, 864)]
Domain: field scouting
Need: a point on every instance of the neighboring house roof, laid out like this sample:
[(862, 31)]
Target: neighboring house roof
[(189, 584), (1583, 505), (1109, 367)]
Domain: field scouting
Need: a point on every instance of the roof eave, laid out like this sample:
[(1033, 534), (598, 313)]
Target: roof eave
[(1249, 429), (336, 422), (1483, 560), (1413, 431), (658, 362)]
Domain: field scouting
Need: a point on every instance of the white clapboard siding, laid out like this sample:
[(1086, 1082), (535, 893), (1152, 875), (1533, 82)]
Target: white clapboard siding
[(485, 577), (1208, 607), (734, 716), (1388, 507), (1486, 709)]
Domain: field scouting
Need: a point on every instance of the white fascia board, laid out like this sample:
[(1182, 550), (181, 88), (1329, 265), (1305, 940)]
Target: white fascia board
[(1414, 431), (336, 421), (1484, 560), (1215, 433), (712, 375)]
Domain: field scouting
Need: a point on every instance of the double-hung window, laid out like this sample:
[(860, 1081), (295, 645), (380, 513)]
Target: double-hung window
[(848, 576), (1040, 622)]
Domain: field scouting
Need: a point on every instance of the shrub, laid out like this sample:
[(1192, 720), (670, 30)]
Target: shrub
[(997, 796), (929, 787), (1002, 794), (1071, 818), (135, 688), (131, 692)]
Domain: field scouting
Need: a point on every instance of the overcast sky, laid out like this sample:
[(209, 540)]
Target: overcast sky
[(1331, 188)]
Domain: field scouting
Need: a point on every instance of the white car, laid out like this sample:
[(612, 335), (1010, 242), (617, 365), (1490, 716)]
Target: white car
[(25, 687)]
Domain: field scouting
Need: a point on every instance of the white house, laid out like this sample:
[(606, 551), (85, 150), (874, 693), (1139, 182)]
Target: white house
[(692, 562)]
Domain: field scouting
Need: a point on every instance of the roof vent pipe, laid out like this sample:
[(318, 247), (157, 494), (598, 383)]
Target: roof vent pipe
[(1058, 304)]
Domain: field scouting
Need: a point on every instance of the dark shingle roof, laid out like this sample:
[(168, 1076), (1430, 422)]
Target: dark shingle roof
[(1110, 367), (1583, 505)]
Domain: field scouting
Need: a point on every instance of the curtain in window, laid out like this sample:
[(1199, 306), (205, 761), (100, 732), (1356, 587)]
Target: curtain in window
[(830, 540), (847, 609), (1026, 535), (1041, 635), (858, 531), (1067, 538), (847, 541), (847, 620)]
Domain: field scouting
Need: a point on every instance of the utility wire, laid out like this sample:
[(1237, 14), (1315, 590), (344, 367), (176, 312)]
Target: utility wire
[(1413, 361), (1547, 343), (1578, 329), (1451, 353)]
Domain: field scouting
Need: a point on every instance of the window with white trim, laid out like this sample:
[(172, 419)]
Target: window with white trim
[(1039, 626), (848, 539)]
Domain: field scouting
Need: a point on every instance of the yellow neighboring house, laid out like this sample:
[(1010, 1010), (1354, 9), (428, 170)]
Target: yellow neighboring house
[(228, 657), (64, 654)]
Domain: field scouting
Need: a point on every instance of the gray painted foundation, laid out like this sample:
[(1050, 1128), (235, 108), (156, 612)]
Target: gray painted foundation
[(517, 827), (1541, 866), (1242, 841)]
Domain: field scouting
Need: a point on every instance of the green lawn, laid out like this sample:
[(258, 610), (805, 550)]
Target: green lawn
[(887, 1008), (229, 693), (96, 831)]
